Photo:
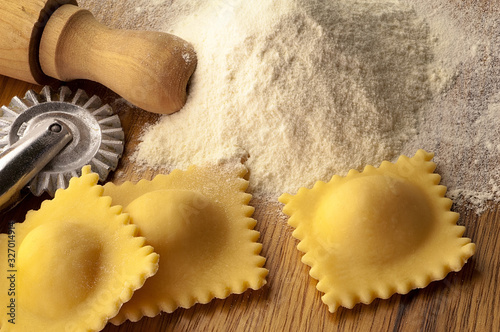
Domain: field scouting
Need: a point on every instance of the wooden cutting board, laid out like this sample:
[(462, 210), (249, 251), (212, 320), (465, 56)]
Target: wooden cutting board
[(463, 301)]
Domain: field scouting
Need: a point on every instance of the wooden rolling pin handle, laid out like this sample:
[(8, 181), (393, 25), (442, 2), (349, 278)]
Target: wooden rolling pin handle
[(149, 69), (21, 27)]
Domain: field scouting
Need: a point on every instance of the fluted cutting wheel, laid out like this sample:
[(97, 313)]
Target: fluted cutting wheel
[(98, 137)]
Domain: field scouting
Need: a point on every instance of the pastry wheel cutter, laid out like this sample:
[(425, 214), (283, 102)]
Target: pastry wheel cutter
[(46, 139)]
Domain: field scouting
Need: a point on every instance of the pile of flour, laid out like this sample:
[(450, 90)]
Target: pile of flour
[(301, 90)]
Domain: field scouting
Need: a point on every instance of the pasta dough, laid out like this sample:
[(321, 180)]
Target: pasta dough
[(77, 261), (199, 221), (377, 232)]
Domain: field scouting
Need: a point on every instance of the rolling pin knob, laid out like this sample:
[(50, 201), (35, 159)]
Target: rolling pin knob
[(21, 26), (149, 69)]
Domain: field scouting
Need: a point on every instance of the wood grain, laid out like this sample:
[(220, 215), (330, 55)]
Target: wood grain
[(21, 24), (463, 301)]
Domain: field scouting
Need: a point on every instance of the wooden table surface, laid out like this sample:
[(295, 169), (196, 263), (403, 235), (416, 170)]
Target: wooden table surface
[(465, 301)]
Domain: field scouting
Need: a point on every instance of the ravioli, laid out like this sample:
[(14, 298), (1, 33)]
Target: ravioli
[(199, 221), (72, 263), (377, 232)]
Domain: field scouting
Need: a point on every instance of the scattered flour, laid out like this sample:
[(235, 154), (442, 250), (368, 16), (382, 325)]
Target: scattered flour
[(309, 91), (301, 90)]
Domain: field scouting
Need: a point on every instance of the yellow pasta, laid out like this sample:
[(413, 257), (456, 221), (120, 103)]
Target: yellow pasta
[(77, 260), (199, 221), (378, 232)]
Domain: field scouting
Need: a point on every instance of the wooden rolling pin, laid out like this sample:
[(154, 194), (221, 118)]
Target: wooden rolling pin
[(42, 39)]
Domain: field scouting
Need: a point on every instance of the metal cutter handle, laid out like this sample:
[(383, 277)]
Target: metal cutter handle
[(20, 162)]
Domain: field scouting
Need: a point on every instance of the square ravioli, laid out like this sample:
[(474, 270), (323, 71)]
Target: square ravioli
[(377, 232), (76, 260), (200, 224)]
